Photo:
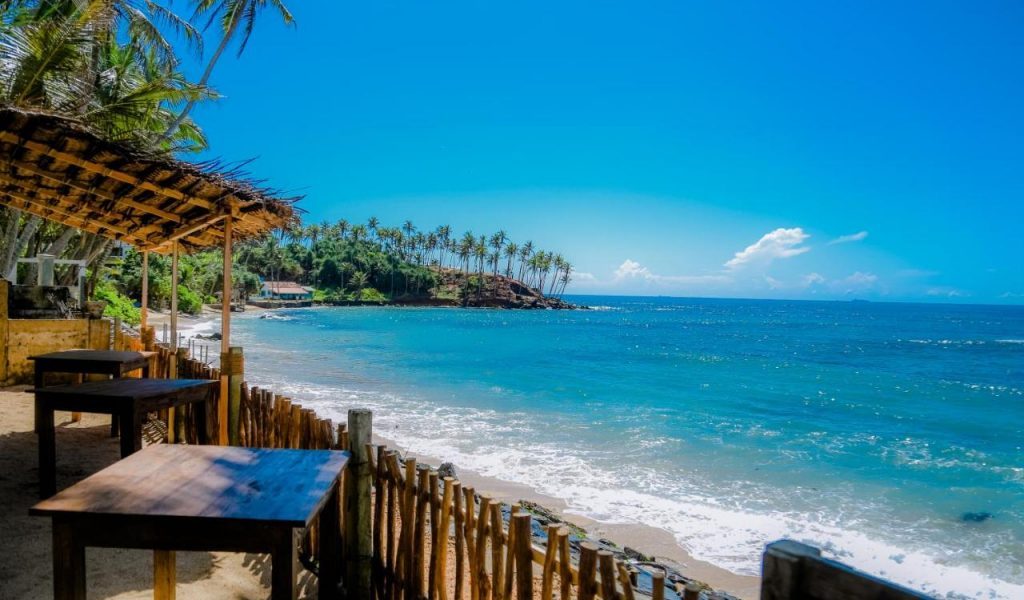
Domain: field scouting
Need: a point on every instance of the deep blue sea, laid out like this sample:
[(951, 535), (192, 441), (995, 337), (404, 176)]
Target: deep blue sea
[(889, 434)]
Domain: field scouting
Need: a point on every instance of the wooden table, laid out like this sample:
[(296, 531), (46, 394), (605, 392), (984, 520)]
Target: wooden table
[(201, 498), (129, 399), (100, 362)]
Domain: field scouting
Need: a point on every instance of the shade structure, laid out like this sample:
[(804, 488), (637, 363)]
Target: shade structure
[(57, 168)]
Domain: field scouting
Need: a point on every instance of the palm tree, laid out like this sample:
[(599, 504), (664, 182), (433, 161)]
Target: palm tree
[(233, 14), (372, 223), (511, 251), (524, 256)]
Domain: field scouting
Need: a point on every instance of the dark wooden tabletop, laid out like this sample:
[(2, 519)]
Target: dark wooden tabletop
[(262, 486), (124, 389), (112, 356)]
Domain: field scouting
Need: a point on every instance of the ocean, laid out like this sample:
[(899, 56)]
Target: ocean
[(890, 435)]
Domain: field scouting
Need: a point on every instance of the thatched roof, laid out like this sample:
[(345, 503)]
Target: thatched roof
[(57, 168)]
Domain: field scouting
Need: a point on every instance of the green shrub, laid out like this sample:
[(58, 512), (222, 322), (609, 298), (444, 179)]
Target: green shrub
[(370, 295), (118, 306), (189, 301)]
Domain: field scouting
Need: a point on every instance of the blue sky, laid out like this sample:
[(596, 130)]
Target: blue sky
[(774, 150)]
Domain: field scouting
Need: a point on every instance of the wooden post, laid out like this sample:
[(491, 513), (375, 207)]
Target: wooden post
[(358, 530), (4, 325), (163, 574), (144, 308), (225, 335), (588, 570), (550, 554), (565, 568), (234, 367), (524, 555), (174, 301), (658, 585)]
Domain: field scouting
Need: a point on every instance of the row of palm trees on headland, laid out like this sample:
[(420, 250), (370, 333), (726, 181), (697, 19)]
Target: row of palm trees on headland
[(547, 272)]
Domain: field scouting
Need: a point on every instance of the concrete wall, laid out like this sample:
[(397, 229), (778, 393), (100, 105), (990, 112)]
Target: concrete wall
[(22, 338)]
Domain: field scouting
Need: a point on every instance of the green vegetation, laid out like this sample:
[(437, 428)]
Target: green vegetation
[(110, 65), (118, 305)]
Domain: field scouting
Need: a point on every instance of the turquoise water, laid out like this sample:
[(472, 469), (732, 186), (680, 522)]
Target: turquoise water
[(872, 430)]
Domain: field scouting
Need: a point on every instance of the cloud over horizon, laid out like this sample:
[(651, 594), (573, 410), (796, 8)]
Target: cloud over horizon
[(781, 243), (846, 239)]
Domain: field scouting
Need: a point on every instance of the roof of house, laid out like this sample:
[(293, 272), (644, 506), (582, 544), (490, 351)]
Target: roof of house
[(285, 287), (58, 168)]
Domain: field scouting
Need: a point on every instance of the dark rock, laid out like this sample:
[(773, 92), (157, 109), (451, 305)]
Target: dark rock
[(975, 517), (446, 469), (636, 555)]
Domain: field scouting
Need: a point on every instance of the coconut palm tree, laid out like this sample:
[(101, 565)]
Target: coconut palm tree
[(236, 17)]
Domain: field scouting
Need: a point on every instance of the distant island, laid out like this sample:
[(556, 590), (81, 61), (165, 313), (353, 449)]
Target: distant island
[(343, 264)]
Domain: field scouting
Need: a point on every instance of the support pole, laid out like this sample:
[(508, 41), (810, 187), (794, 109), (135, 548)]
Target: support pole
[(171, 428), (225, 336), (144, 309), (234, 368), (358, 541)]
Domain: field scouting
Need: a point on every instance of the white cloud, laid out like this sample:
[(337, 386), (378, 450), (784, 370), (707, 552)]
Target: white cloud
[(812, 279), (781, 243), (853, 237), (583, 276), (946, 292), (855, 282), (632, 270), (772, 282)]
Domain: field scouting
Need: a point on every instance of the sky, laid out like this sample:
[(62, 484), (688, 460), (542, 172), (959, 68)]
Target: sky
[(871, 150)]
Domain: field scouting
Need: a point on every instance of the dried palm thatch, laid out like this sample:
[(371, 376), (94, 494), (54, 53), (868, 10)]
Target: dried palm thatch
[(57, 168)]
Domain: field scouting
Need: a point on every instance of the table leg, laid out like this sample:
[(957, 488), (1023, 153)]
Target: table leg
[(68, 563), (199, 411), (284, 566), (131, 432), (37, 383), (76, 417), (47, 451), (164, 566), (330, 548)]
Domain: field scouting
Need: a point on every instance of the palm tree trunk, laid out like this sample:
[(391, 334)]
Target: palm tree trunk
[(203, 80)]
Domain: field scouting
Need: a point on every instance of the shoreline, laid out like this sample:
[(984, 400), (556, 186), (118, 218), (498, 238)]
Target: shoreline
[(644, 538)]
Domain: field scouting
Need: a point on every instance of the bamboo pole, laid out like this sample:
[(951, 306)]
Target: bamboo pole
[(606, 563), (523, 528), (225, 333), (235, 369), (380, 493), (657, 585), (409, 530), (550, 554), (481, 549), (586, 587), (441, 539), (144, 305), (627, 585), (357, 508), (470, 535), (565, 565), (391, 567), (435, 535), (419, 545), (460, 539), (510, 550), (497, 558)]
